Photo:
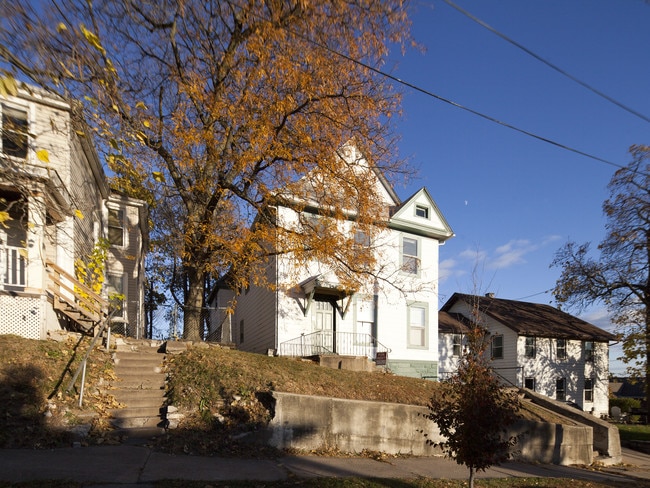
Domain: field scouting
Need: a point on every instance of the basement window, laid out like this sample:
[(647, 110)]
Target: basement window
[(529, 384)]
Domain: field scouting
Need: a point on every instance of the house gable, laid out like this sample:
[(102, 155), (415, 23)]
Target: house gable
[(420, 215)]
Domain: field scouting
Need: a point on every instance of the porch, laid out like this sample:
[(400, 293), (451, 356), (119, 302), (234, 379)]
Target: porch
[(327, 342), (61, 303)]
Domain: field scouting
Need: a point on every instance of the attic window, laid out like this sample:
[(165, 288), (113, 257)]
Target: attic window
[(422, 211)]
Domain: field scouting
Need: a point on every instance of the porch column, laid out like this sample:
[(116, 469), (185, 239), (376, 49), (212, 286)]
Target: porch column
[(35, 243)]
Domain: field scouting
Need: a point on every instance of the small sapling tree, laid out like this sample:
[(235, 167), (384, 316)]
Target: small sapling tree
[(473, 410)]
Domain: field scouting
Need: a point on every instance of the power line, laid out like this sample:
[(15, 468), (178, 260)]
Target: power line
[(546, 62), (534, 295), (446, 100), (455, 104)]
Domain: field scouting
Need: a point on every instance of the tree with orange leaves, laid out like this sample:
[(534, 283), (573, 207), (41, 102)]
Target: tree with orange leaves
[(212, 110)]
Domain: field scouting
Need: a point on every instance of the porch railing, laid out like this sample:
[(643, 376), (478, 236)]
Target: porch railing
[(74, 299), (13, 265), (328, 342)]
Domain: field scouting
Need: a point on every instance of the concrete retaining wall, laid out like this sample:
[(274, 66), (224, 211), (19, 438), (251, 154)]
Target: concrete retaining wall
[(553, 443), (309, 422), (606, 436)]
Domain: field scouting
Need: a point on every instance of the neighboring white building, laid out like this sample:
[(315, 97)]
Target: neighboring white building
[(538, 347), (452, 329), (314, 315), (55, 192)]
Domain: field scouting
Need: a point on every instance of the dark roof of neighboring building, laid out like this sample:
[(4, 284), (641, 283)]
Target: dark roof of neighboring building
[(627, 387), (533, 319), (452, 323)]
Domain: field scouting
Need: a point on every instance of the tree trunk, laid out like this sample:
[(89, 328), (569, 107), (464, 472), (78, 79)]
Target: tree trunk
[(193, 305), (471, 477)]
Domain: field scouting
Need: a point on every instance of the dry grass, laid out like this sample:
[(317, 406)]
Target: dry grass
[(220, 373), (208, 383), (35, 410)]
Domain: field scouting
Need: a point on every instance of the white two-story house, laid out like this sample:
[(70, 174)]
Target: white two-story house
[(55, 205), (534, 346), (394, 323)]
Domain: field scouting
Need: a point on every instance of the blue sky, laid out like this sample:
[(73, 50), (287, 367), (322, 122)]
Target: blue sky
[(513, 200)]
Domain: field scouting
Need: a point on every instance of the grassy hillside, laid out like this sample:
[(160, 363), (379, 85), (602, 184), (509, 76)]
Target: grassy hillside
[(221, 391), (35, 410)]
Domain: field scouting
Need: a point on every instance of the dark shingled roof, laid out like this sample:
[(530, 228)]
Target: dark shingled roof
[(452, 323), (533, 319)]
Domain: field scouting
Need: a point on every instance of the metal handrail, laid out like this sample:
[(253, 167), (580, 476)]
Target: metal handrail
[(329, 342), (82, 366)]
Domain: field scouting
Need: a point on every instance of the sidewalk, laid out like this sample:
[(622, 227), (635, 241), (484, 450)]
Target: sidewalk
[(130, 465)]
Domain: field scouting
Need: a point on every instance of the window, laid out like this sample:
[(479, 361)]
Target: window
[(530, 347), (422, 211), (589, 350), (560, 389), (14, 132), (116, 227), (116, 296), (410, 259), (361, 239), (529, 383), (241, 331), (561, 348), (497, 347), (589, 390), (417, 320), (457, 344)]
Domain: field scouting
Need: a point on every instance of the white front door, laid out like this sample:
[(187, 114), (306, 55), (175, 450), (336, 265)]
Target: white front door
[(323, 321)]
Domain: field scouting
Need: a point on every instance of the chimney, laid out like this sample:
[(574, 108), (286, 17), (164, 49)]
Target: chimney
[(489, 295)]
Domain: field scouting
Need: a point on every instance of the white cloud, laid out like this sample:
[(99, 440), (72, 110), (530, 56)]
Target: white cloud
[(600, 318), (448, 268), (511, 253), (473, 255)]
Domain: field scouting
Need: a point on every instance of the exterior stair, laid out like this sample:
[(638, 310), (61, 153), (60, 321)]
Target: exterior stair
[(140, 386)]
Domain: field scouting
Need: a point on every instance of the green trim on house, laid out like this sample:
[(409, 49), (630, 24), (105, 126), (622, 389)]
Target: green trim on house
[(414, 369)]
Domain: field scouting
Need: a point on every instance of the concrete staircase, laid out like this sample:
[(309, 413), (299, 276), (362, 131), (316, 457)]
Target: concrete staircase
[(140, 386)]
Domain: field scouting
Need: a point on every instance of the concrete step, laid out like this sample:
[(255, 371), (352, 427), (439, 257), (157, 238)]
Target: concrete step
[(140, 387), (140, 345), (136, 435), (144, 363), (138, 355), (136, 422), (130, 412), (139, 398), (139, 382)]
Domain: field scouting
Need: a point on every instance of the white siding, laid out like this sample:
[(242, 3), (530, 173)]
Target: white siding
[(72, 196), (256, 310), (447, 362)]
